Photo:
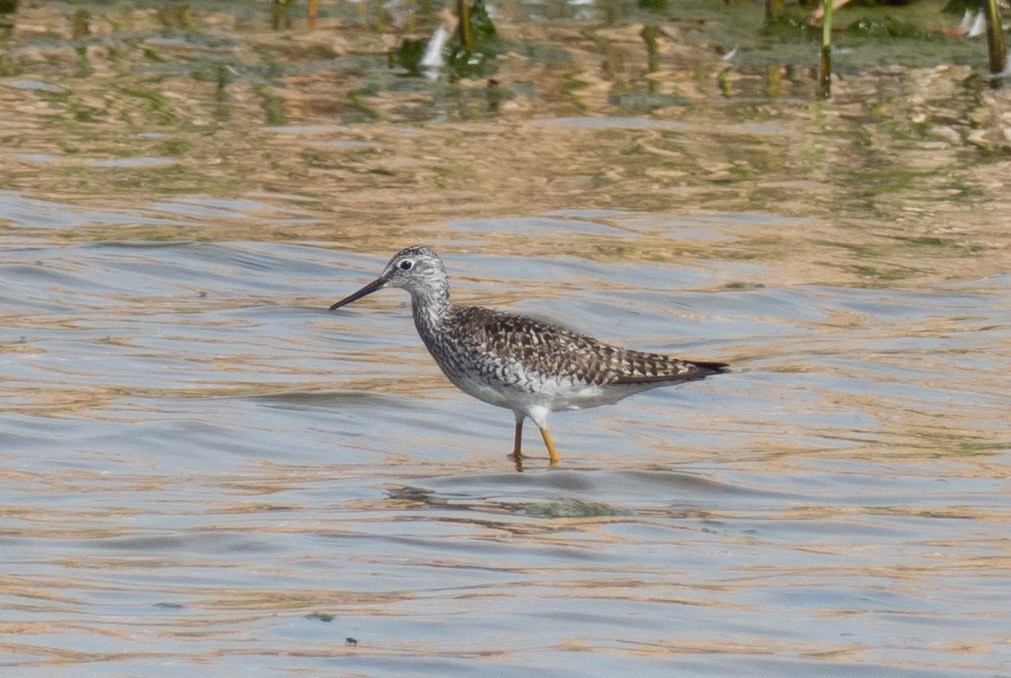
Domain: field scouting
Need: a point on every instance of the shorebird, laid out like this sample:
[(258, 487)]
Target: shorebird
[(529, 366)]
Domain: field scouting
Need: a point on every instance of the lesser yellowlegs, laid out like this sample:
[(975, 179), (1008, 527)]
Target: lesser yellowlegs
[(528, 366)]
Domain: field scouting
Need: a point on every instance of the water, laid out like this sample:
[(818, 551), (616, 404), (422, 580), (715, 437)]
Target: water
[(204, 471), (197, 456)]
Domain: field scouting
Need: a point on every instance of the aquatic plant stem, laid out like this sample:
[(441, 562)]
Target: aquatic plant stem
[(995, 38), (466, 30), (311, 15), (826, 51), (649, 34)]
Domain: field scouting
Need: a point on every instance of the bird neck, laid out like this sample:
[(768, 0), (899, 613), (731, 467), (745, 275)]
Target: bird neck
[(430, 307)]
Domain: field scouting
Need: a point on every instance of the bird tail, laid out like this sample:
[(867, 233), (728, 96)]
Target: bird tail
[(713, 368), (655, 368)]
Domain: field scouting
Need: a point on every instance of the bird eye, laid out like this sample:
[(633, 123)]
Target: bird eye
[(406, 265)]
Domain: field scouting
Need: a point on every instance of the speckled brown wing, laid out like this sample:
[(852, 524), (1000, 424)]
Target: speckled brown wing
[(552, 350)]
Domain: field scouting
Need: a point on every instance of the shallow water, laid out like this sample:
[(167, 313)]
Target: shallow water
[(197, 456), (204, 471)]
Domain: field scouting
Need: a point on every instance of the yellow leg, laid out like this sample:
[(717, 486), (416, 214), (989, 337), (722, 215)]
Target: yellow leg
[(518, 443), (552, 455)]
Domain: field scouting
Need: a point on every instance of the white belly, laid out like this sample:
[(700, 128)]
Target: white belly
[(520, 394)]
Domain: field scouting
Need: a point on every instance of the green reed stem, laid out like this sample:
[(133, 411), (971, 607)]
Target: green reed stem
[(995, 38), (826, 51)]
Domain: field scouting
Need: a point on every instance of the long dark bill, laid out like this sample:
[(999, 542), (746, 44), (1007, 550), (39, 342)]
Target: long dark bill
[(373, 286)]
